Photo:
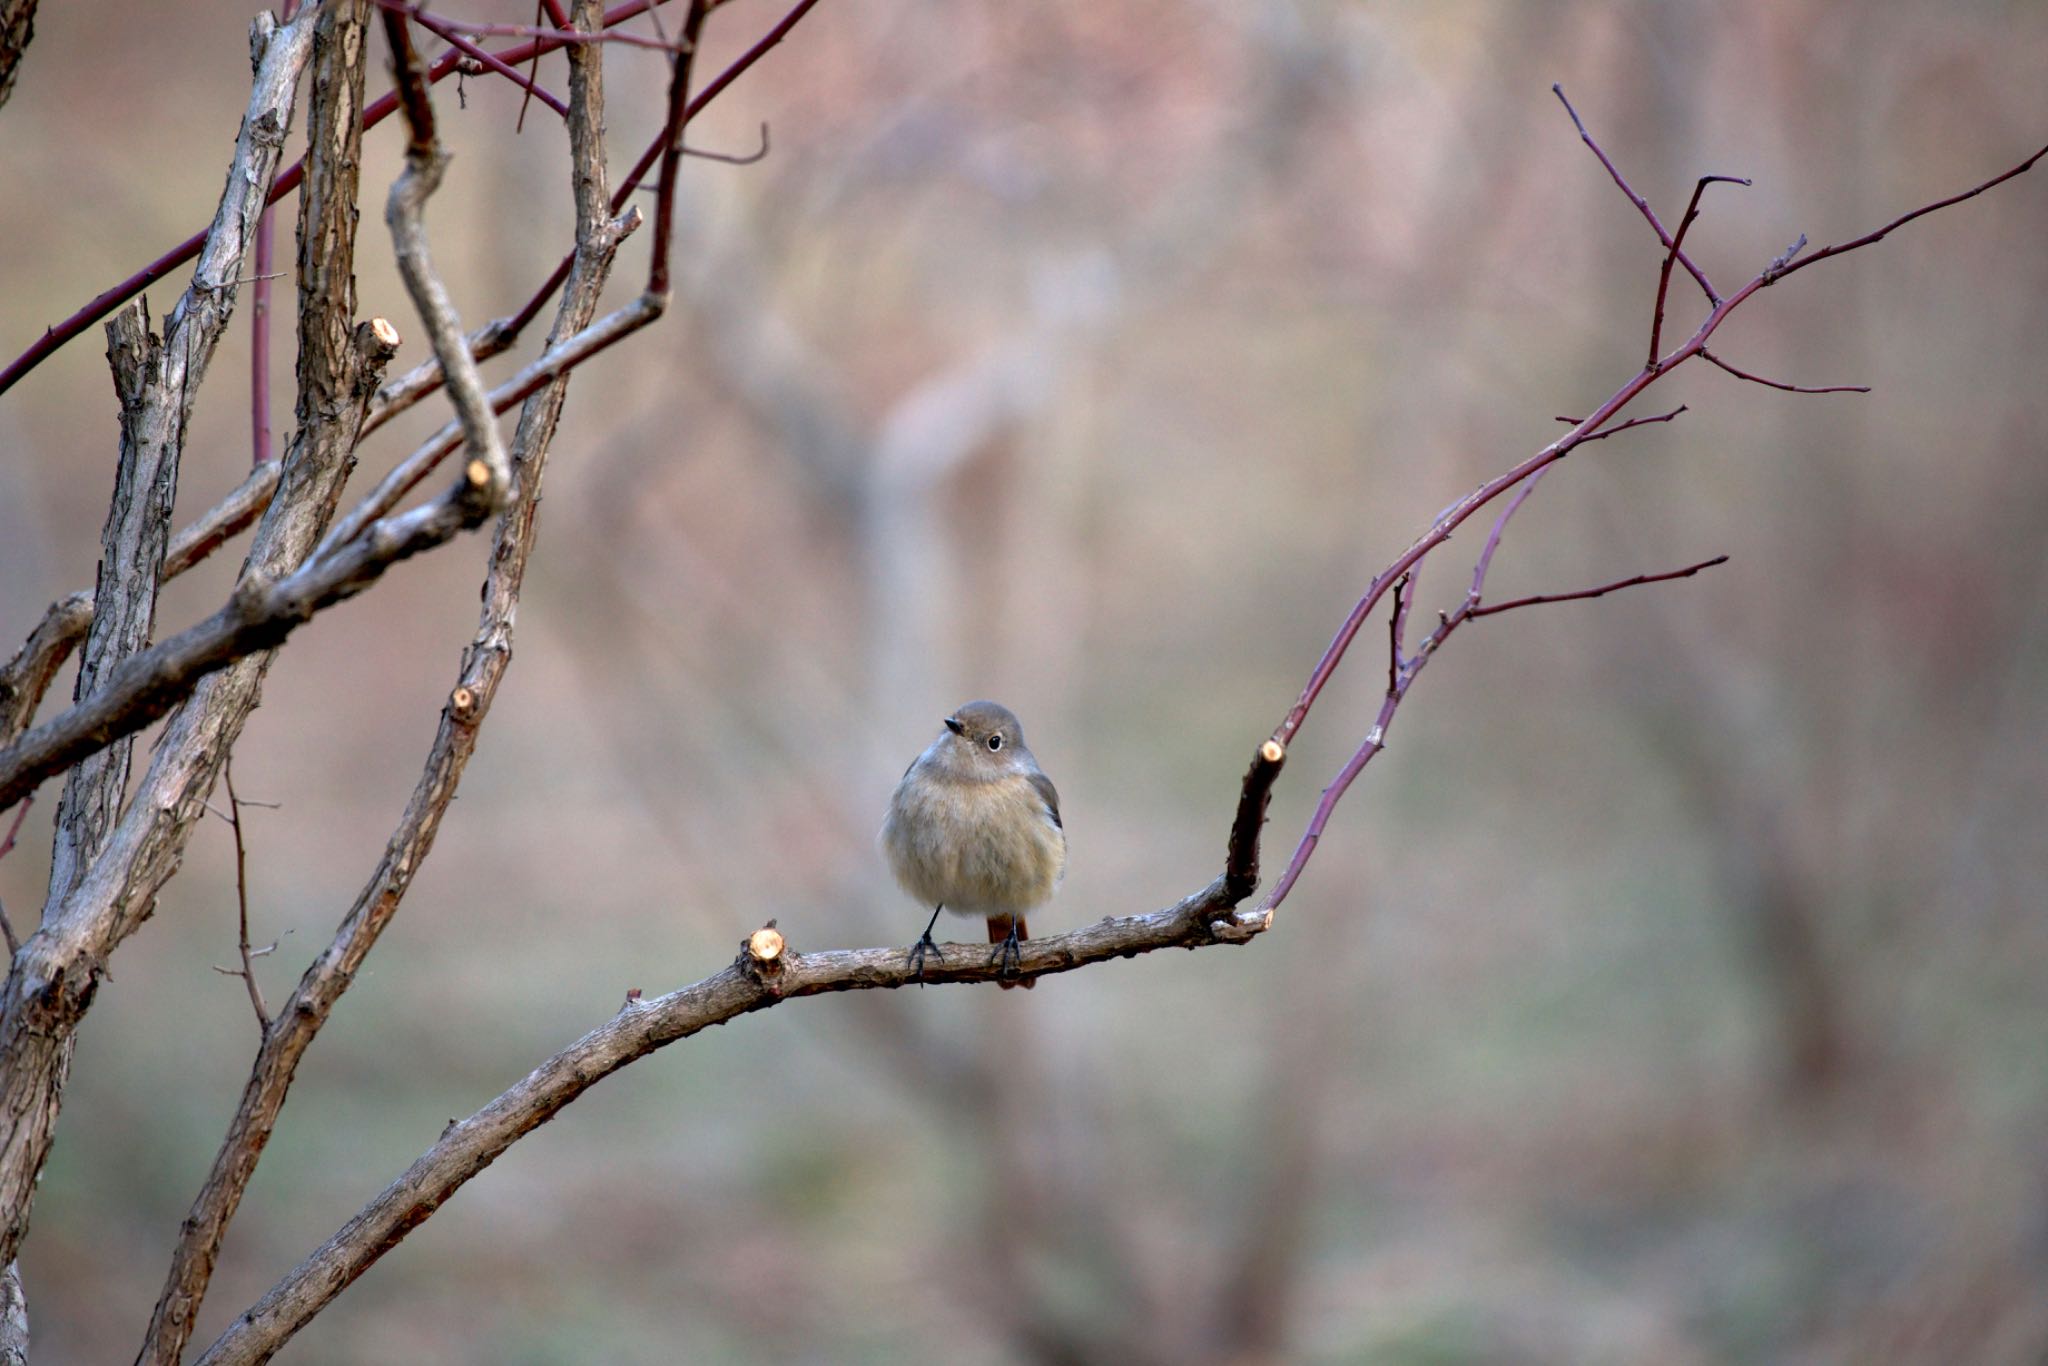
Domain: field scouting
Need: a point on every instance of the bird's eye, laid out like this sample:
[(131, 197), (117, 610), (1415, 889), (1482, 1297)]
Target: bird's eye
[(995, 742)]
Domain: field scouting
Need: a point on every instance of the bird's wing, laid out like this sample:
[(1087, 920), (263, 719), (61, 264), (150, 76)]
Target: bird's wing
[(1050, 796)]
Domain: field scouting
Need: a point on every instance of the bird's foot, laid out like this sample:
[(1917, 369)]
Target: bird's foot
[(1009, 955), (918, 951)]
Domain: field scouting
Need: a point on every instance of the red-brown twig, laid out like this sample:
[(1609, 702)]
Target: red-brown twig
[(446, 29), (420, 14), (1604, 589), (533, 73), (1586, 429), (1788, 388), (672, 146), (1692, 211), (1402, 678), (374, 113), (500, 334), (1642, 204), (1619, 428)]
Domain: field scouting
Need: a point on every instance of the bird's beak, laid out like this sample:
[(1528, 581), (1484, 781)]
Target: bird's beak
[(953, 724)]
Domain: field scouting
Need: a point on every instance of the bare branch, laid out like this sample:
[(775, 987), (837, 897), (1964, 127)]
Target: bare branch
[(231, 515), (491, 61), (29, 674), (1784, 266), (288, 180), (496, 336), (468, 1146), (734, 158), (672, 146), (248, 972), (1788, 388), (1601, 591), (17, 30), (103, 886), (487, 474), (483, 665), (1456, 514), (400, 9), (1692, 211), (1621, 427), (1642, 205), (556, 361), (259, 347)]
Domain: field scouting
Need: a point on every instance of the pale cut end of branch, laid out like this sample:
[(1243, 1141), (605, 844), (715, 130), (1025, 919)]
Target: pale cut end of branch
[(1273, 752), (478, 473), (762, 958), (386, 332), (462, 703)]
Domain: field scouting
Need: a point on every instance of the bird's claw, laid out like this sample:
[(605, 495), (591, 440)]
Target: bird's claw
[(919, 950), (1009, 955)]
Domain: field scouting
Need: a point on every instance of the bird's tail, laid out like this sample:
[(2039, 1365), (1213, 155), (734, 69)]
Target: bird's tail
[(999, 932)]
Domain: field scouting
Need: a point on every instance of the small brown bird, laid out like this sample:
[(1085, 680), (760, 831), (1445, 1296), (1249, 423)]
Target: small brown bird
[(974, 828)]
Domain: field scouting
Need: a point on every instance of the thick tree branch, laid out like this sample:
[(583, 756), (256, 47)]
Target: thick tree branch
[(13, 1318), (17, 30), (484, 662), (29, 674), (487, 475), (751, 983), (52, 978)]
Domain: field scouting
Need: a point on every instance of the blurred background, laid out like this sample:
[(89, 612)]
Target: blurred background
[(1674, 989)]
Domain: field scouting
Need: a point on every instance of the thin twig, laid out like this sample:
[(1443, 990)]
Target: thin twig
[(1397, 627), (287, 180), (497, 336), (1602, 591), (1788, 388), (1692, 211), (1642, 204), (561, 37), (734, 158), (446, 29), (533, 73), (1619, 428), (248, 972), (6, 848), (1781, 268), (672, 146)]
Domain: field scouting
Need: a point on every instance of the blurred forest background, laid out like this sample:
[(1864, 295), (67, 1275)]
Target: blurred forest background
[(1675, 989)]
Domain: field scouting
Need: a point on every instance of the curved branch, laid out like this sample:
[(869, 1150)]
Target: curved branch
[(1587, 429), (468, 1146), (766, 973)]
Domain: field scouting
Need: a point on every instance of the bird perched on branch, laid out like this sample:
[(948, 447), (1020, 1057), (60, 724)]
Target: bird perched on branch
[(974, 828)]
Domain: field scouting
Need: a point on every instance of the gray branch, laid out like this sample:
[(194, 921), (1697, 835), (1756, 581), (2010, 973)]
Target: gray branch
[(52, 978), (483, 665), (755, 981)]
